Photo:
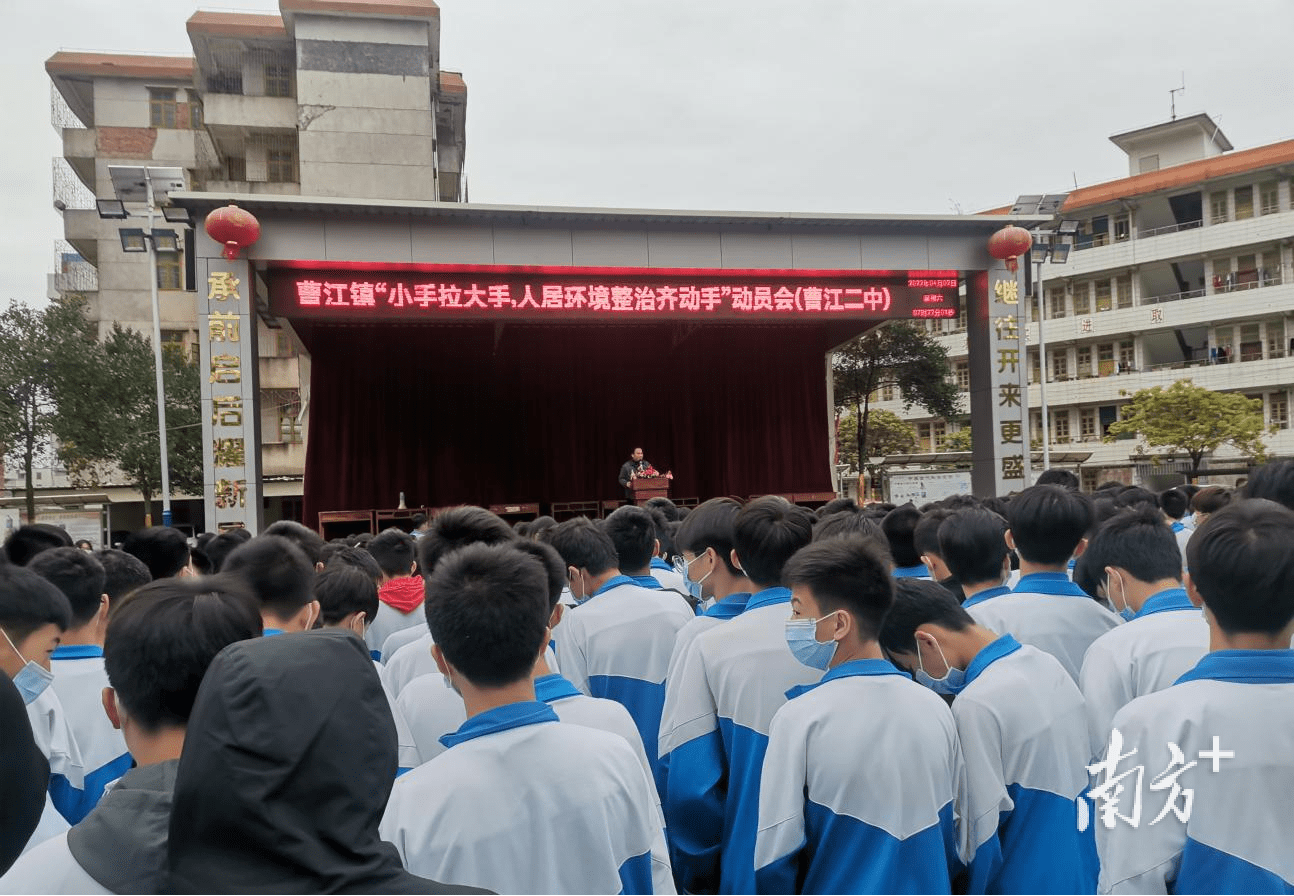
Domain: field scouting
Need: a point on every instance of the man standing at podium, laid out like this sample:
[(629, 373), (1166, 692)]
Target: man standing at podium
[(631, 468)]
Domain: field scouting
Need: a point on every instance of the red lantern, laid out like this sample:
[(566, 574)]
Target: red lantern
[(236, 228), (1009, 243)]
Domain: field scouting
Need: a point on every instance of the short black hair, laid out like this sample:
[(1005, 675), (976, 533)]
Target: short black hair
[(1063, 478), (553, 566), (633, 532), (1047, 523), (417, 519), (1137, 540), (341, 590), (1273, 481), (163, 637), (78, 575), (835, 505), (1213, 499), (583, 545), (1242, 563), (27, 602), (164, 550), (845, 573), (1174, 503), (27, 541), (345, 555), (899, 525), (766, 533), (539, 525), (457, 527), (710, 525), (851, 522), (277, 572), (920, 602), (972, 544), (925, 537), (393, 549), (487, 608), (1136, 496), (122, 573), (219, 548), (665, 506), (308, 540)]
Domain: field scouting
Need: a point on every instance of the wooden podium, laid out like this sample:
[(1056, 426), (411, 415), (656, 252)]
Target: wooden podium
[(646, 489)]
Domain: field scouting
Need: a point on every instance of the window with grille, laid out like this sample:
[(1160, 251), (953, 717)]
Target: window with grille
[(170, 270), (1268, 198), (281, 165), (1218, 208), (278, 79), (1279, 405), (161, 107)]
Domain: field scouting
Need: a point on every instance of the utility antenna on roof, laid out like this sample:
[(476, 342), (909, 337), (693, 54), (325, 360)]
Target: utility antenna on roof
[(1172, 98)]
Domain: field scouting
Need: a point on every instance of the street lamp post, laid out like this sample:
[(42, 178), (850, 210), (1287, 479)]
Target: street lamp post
[(148, 184), (1046, 247)]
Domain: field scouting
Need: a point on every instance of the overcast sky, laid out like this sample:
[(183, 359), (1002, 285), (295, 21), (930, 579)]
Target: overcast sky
[(818, 105)]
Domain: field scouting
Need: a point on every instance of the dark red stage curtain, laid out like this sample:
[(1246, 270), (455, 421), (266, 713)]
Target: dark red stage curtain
[(468, 414)]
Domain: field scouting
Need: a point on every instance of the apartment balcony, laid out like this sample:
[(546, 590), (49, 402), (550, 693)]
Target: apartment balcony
[(239, 186), (283, 459), (81, 228), (247, 113), (280, 373), (1178, 241), (1259, 375), (80, 147)]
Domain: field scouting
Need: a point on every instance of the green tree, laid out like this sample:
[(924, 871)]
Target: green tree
[(898, 355), (959, 440), (112, 421), (42, 351), (887, 433), (1192, 420)]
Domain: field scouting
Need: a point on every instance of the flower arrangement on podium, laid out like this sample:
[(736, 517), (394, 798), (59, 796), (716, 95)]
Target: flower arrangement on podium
[(650, 472)]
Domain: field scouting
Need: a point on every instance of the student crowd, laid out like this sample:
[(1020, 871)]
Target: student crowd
[(1051, 692)]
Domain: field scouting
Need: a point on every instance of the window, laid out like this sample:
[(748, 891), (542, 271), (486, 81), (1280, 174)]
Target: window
[(289, 410), (1268, 199), (195, 114), (1087, 424), (1082, 299), (1103, 295), (1244, 202), (1060, 426), (1084, 356), (236, 168), (923, 437), (281, 166), (1056, 298), (1127, 356), (170, 270), (1123, 291), (1223, 343), (1246, 272), (161, 107), (284, 346), (961, 373), (1275, 339), (940, 433), (1100, 230), (1251, 343), (1035, 367), (1105, 358), (1122, 227), (1060, 364), (278, 80), (1269, 272), (1279, 407), (1218, 208)]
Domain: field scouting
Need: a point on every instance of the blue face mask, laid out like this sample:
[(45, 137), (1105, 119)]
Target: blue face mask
[(953, 681), (1127, 612), (802, 638), (32, 679), (681, 566)]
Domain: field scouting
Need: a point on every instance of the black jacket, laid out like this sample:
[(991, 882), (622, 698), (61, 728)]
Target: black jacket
[(24, 779), (288, 761)]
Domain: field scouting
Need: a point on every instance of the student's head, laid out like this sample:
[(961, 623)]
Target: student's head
[(84, 544), (347, 597), (1208, 501), (160, 641), (633, 533), (308, 540), (539, 526), (706, 539), (1047, 523), (665, 506), (587, 552), (766, 533), (972, 544), (418, 520), (122, 573), (835, 505), (219, 548), (487, 608), (916, 630), (165, 551), (393, 550), (345, 555), (899, 525), (1136, 496), (850, 522), (1273, 481), (1242, 567), (1063, 478), (1174, 503), (79, 576), (845, 585), (926, 539), (458, 527), (33, 616), (1136, 543), (281, 577), (27, 541), (554, 570)]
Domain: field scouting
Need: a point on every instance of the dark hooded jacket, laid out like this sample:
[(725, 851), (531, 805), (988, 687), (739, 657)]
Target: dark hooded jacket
[(122, 843), (24, 779), (288, 762)]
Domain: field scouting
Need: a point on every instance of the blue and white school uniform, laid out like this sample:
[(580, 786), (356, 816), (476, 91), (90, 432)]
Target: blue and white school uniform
[(1024, 742), (730, 684), (53, 734), (507, 808), (858, 788), (1236, 838), (667, 576), (1048, 611), (987, 594), (396, 640), (79, 680), (617, 645), (408, 751), (431, 709), (1147, 654), (919, 571)]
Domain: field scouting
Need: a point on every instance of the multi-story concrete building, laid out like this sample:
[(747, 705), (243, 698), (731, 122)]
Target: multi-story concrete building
[(331, 98), (1183, 269)]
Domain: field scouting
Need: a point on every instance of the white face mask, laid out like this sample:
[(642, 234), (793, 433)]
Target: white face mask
[(1126, 610), (32, 680)]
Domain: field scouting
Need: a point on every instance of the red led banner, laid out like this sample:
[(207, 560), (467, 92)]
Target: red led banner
[(572, 294)]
